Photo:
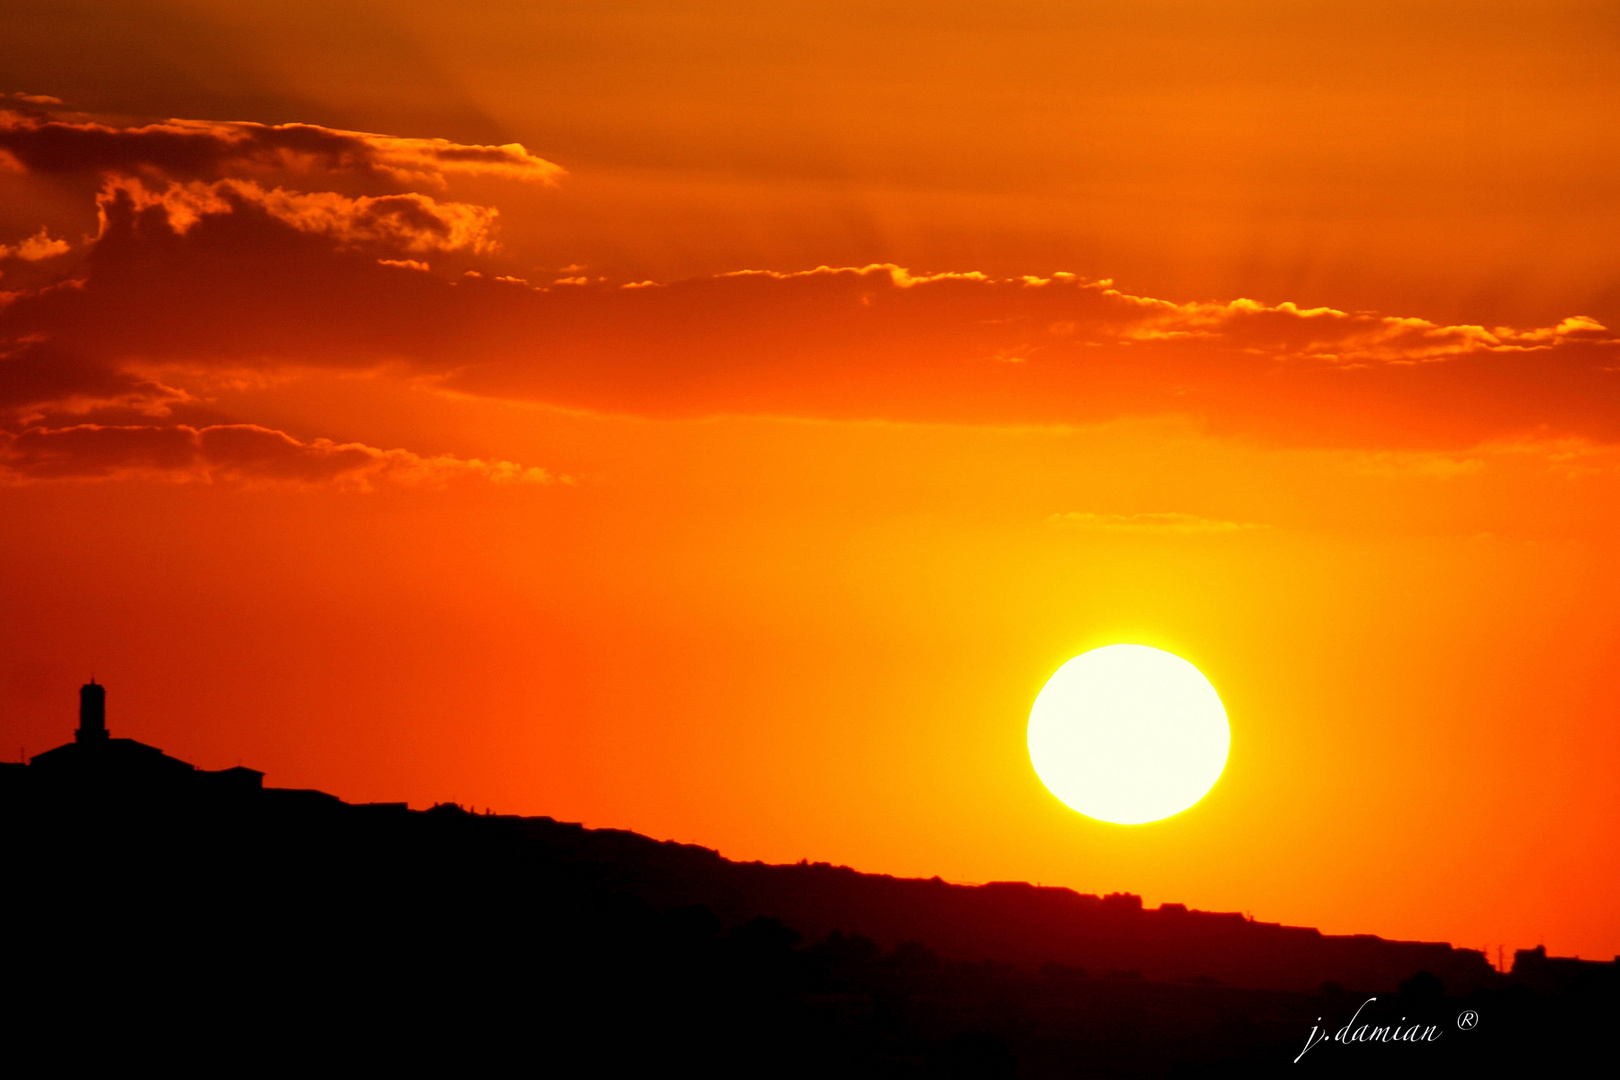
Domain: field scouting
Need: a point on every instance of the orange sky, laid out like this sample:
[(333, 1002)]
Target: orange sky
[(519, 453)]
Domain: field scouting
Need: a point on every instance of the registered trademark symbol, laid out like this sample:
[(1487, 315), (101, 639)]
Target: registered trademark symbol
[(1468, 1019)]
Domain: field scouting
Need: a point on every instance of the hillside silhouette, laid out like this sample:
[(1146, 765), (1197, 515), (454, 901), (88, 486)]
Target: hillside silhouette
[(160, 912)]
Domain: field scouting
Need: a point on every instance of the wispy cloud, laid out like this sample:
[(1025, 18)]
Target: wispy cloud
[(207, 150), (34, 248), (408, 222), (1158, 522), (235, 453)]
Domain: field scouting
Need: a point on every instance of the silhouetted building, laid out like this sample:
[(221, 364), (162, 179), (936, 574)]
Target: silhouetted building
[(92, 713), (95, 757), (1561, 974)]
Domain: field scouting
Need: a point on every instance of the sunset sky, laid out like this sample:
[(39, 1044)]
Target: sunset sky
[(718, 420)]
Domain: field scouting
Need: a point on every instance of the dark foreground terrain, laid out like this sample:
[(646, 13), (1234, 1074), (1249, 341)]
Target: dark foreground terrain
[(223, 927)]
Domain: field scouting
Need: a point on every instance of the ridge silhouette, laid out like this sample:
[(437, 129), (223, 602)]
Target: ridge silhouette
[(172, 913)]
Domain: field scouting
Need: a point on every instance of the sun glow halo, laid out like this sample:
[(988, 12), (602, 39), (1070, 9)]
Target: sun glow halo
[(1128, 734)]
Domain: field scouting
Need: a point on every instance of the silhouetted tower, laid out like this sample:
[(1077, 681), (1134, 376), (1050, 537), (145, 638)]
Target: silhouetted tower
[(92, 713)]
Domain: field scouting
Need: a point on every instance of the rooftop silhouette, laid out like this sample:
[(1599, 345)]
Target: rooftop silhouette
[(95, 756), (136, 868)]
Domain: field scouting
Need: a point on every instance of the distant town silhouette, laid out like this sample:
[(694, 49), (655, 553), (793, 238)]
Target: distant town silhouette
[(171, 914)]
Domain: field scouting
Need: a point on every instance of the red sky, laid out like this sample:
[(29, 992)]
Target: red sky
[(719, 423)]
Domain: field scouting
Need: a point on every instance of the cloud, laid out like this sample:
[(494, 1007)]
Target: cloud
[(38, 377), (408, 222), (88, 400), (34, 248), (244, 453), (882, 342), (1165, 523), (194, 272), (198, 150), (1434, 466), (231, 275)]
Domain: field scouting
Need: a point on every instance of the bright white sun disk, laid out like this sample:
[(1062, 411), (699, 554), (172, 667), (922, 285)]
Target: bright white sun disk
[(1128, 734)]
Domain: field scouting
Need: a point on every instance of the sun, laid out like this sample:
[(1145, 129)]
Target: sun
[(1128, 734)]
